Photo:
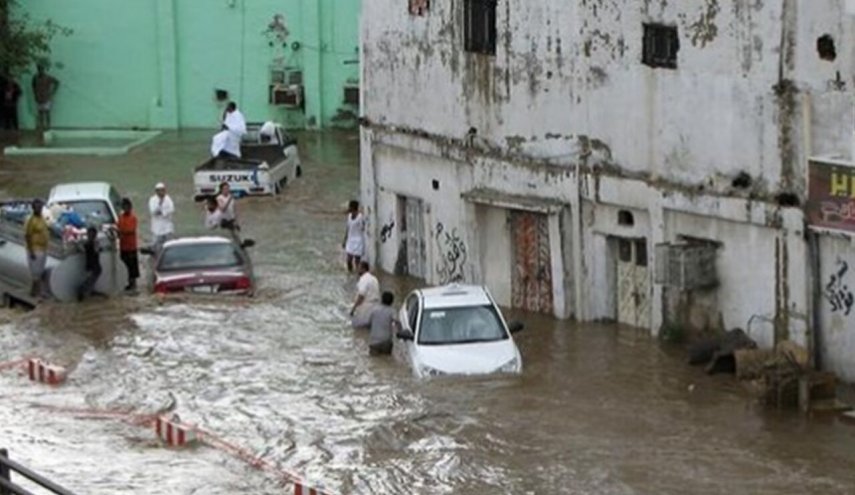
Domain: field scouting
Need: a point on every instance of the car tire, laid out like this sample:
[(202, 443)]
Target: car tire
[(299, 171)]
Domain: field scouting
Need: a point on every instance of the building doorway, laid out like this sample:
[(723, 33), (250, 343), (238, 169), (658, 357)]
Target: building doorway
[(412, 250), (531, 273), (633, 283)]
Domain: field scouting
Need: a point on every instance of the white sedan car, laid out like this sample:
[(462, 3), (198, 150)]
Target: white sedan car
[(457, 329)]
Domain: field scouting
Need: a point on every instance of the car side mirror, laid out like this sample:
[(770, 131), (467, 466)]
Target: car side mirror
[(515, 326), (247, 243), (405, 335)]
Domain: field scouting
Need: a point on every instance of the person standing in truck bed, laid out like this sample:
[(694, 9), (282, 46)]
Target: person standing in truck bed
[(36, 237)]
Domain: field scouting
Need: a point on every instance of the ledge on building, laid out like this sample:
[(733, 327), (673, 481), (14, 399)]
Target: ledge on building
[(99, 142), (492, 197)]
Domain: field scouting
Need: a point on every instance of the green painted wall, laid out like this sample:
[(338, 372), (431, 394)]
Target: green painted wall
[(156, 63)]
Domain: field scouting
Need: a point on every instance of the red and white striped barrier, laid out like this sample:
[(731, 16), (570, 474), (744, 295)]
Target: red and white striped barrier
[(301, 489), (173, 432), (41, 371)]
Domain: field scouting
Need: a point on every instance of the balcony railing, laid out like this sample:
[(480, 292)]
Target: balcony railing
[(8, 466)]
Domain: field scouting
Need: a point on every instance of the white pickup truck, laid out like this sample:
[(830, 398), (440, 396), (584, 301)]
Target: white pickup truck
[(96, 204), (264, 168)]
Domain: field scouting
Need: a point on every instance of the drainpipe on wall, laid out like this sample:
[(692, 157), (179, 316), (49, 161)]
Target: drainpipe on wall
[(812, 239), (814, 339), (164, 111), (242, 80), (313, 61), (582, 306)]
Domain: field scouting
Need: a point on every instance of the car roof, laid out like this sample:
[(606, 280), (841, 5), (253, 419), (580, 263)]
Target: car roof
[(209, 239), (79, 191), (455, 295)]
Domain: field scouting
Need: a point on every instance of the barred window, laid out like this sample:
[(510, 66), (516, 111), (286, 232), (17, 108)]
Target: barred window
[(480, 26), (661, 44)]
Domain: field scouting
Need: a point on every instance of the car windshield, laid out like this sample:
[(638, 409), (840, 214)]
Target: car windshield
[(202, 255), (94, 213), (443, 326)]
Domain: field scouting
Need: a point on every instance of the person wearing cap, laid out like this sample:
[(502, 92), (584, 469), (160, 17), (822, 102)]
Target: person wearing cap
[(161, 208), (36, 237)]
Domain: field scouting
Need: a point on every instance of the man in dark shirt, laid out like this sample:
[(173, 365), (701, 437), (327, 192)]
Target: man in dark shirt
[(11, 92), (93, 264)]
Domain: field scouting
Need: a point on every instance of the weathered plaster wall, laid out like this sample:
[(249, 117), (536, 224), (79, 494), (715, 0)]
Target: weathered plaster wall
[(574, 69), (567, 94), (440, 213), (495, 255), (397, 165), (836, 305)]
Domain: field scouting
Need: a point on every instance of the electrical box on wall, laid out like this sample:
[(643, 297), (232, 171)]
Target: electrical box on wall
[(686, 265)]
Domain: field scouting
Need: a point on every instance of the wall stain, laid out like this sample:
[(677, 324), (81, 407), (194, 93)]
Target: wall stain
[(704, 29)]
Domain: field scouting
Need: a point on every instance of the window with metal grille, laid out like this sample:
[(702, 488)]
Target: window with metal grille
[(661, 44), (480, 26)]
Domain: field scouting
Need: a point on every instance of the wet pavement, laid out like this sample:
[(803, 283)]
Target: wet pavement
[(599, 409)]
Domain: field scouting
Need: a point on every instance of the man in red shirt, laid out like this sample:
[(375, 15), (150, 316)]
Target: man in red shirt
[(127, 227)]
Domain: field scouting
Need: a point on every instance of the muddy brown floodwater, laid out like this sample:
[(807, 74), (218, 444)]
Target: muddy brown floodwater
[(599, 409)]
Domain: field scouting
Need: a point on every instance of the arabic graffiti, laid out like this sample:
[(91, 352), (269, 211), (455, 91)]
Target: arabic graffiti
[(387, 230), (452, 255), (836, 290)]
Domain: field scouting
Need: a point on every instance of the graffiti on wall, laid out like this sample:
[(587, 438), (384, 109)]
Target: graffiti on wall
[(837, 291), (386, 230), (452, 255)]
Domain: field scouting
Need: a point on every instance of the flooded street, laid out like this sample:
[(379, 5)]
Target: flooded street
[(598, 409)]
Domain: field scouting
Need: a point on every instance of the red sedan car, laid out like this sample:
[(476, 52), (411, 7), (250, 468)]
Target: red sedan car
[(204, 265)]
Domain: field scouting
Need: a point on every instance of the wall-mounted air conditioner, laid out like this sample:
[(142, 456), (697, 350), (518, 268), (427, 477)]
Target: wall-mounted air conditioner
[(290, 96)]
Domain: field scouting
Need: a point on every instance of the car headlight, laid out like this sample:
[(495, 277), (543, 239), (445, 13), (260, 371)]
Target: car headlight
[(428, 371), (512, 366)]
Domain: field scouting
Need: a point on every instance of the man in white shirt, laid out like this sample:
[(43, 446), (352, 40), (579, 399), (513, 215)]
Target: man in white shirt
[(225, 144), (367, 294), (213, 217), (226, 207), (233, 120), (161, 208)]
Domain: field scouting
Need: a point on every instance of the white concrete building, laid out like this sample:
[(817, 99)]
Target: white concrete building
[(631, 160)]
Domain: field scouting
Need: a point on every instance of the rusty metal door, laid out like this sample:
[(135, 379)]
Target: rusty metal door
[(415, 237), (531, 273), (633, 283)]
